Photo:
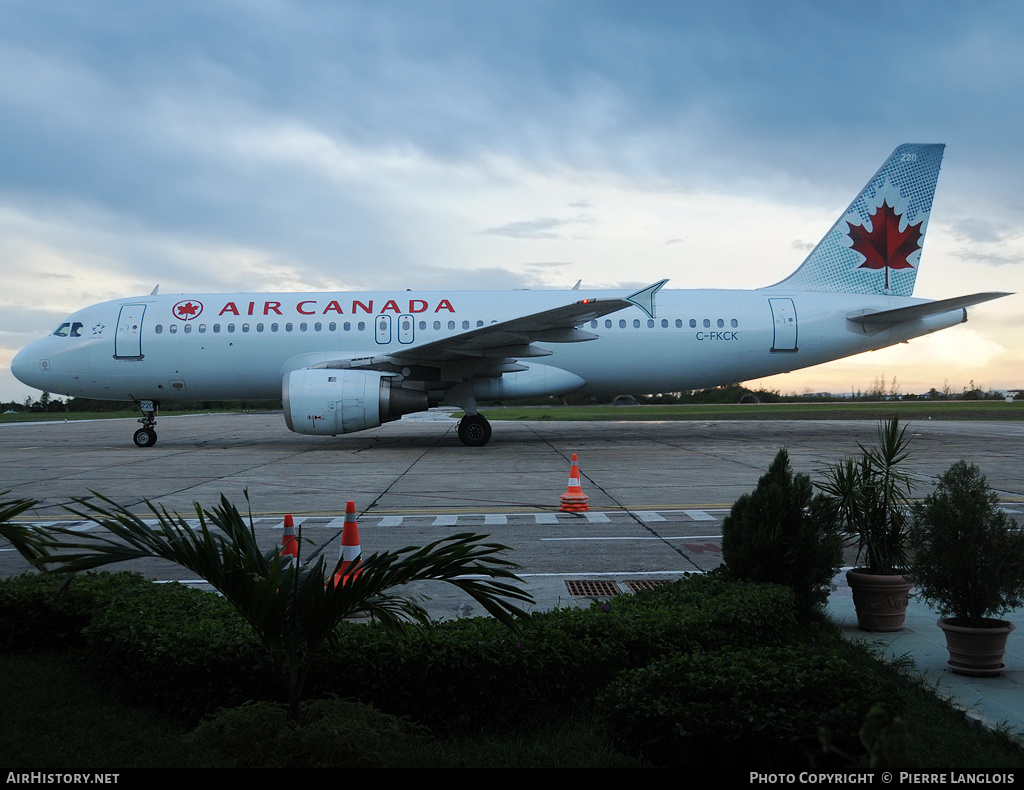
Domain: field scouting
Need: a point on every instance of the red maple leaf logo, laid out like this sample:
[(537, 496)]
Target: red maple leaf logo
[(187, 310), (885, 246)]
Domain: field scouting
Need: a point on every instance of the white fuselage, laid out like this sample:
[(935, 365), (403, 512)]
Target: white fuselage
[(240, 346)]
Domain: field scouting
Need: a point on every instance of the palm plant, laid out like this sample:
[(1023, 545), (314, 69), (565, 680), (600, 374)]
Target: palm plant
[(871, 499), (288, 605)]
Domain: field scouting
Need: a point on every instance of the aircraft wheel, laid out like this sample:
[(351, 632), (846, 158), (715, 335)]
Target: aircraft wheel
[(474, 430), (144, 437)]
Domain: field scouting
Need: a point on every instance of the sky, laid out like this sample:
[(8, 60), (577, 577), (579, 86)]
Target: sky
[(263, 145)]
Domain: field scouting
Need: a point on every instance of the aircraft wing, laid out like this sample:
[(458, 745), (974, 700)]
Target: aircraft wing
[(886, 318), (507, 340)]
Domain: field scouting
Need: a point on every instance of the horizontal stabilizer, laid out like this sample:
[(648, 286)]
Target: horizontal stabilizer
[(887, 318)]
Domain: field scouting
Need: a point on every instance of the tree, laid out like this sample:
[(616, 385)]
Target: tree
[(780, 533), (289, 605)]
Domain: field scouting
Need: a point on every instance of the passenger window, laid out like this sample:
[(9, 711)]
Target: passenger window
[(650, 322), (707, 322), (216, 329), (622, 323), (734, 323), (347, 326), (231, 327), (202, 329), (607, 323), (158, 329), (451, 324), (721, 323), (361, 326), (318, 326), (664, 323), (593, 324), (187, 329), (288, 327), (679, 323), (245, 327), (332, 327), (693, 323), (465, 324), (273, 327), (303, 326), (173, 328), (636, 323), (259, 327), (437, 325)]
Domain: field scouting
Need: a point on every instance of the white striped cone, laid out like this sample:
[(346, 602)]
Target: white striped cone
[(574, 500), (350, 548), (289, 541)]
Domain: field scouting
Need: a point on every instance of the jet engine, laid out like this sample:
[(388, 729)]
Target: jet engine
[(327, 402)]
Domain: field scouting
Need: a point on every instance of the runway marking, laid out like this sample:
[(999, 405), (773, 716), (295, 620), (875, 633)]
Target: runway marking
[(650, 516), (597, 518), (445, 521), (700, 515), (495, 520)]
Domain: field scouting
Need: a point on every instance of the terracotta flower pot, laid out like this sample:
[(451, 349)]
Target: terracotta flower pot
[(976, 651), (881, 601)]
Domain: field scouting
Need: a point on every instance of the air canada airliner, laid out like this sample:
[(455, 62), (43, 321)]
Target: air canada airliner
[(345, 362)]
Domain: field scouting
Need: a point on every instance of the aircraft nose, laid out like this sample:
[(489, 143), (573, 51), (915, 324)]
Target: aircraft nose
[(27, 366)]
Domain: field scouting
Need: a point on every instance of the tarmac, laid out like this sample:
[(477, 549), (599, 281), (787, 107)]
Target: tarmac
[(658, 492)]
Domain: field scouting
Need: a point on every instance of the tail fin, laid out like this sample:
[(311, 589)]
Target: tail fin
[(875, 246)]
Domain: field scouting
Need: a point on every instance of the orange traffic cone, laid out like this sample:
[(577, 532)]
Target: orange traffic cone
[(350, 548), (574, 500), (289, 541)]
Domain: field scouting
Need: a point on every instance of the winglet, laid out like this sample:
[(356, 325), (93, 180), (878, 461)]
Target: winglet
[(155, 290), (644, 298)]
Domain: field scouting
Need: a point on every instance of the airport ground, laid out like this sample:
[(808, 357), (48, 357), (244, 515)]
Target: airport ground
[(657, 490)]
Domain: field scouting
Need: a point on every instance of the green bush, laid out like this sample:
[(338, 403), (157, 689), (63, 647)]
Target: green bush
[(763, 707), (180, 649), (470, 673), (780, 533), (330, 733), (968, 554), (189, 652), (40, 612)]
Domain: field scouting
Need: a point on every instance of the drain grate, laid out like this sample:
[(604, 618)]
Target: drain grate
[(587, 587), (645, 584)]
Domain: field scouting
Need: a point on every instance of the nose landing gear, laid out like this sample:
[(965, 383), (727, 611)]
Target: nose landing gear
[(146, 435)]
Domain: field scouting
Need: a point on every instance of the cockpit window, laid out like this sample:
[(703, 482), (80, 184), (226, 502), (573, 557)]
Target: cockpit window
[(67, 329)]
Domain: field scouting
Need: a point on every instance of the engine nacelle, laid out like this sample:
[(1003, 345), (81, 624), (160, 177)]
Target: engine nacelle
[(327, 402)]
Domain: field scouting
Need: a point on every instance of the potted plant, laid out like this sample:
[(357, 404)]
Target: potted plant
[(969, 563), (870, 497)]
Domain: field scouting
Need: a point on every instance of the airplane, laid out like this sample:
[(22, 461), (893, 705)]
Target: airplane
[(346, 362)]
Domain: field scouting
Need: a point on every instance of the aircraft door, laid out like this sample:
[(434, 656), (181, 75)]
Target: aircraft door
[(128, 338), (382, 327), (406, 328), (784, 321)]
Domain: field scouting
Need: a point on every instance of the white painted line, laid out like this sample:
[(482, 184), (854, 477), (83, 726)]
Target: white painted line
[(496, 520), (546, 518), (644, 537), (647, 515), (445, 521), (597, 518), (391, 521), (700, 515)]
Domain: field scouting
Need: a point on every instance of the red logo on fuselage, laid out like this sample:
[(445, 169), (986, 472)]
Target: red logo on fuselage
[(187, 310)]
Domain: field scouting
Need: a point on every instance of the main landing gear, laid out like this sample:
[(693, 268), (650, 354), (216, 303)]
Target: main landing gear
[(146, 435), (474, 430)]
